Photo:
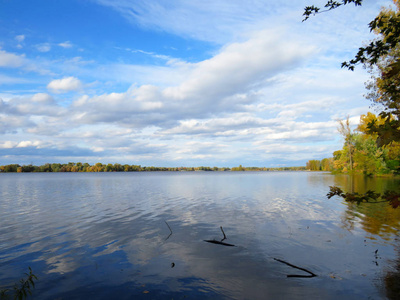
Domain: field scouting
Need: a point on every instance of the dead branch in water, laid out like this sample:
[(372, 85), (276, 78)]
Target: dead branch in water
[(221, 242), (169, 230), (296, 267), (223, 234)]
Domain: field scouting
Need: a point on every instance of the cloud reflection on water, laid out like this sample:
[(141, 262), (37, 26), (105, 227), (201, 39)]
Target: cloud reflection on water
[(109, 230)]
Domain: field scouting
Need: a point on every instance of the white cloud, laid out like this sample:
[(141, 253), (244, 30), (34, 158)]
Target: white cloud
[(224, 83), (133, 108), (7, 145), (45, 47), (13, 124), (10, 59), (40, 104), (24, 144), (65, 84), (262, 95), (20, 38), (12, 80), (223, 21), (239, 66), (43, 98), (218, 22), (66, 44)]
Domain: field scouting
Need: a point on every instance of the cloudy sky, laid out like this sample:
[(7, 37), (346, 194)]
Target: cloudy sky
[(177, 83)]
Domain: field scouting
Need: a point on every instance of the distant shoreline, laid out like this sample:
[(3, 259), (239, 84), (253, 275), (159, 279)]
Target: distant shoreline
[(99, 167)]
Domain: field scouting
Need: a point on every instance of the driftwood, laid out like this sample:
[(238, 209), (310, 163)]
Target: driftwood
[(221, 242), (296, 267)]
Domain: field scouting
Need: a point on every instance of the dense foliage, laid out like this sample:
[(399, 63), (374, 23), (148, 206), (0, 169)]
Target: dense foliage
[(361, 154), (384, 86)]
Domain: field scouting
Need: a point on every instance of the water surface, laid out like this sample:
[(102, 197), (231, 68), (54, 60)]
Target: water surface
[(141, 235)]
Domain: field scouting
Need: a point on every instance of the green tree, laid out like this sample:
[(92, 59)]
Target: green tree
[(10, 168), (118, 167), (327, 164), (55, 167), (369, 159), (313, 165), (240, 168), (98, 167), (349, 137), (360, 152)]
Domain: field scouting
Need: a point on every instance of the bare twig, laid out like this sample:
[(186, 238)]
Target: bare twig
[(296, 267), (223, 234)]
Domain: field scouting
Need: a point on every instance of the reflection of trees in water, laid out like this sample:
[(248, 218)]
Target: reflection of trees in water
[(361, 183), (377, 219)]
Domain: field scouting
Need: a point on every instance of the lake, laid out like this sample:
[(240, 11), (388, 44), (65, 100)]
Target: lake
[(142, 236)]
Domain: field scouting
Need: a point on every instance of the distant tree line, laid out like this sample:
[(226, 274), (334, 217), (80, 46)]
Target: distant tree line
[(99, 167), (241, 168)]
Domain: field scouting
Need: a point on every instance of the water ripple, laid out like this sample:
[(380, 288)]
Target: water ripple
[(89, 234)]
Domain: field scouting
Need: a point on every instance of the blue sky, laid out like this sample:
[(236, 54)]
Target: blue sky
[(177, 83)]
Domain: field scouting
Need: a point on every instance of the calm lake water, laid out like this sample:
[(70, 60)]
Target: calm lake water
[(141, 236)]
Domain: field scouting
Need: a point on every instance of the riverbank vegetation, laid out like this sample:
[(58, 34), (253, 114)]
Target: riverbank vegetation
[(361, 152)]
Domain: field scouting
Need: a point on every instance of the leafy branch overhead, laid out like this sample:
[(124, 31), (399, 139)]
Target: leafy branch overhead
[(386, 25), (312, 10)]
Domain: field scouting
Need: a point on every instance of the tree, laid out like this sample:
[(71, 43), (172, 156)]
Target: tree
[(313, 165), (327, 164), (348, 135), (384, 86), (369, 159), (55, 167), (10, 168), (360, 152), (392, 149), (382, 58), (240, 168)]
